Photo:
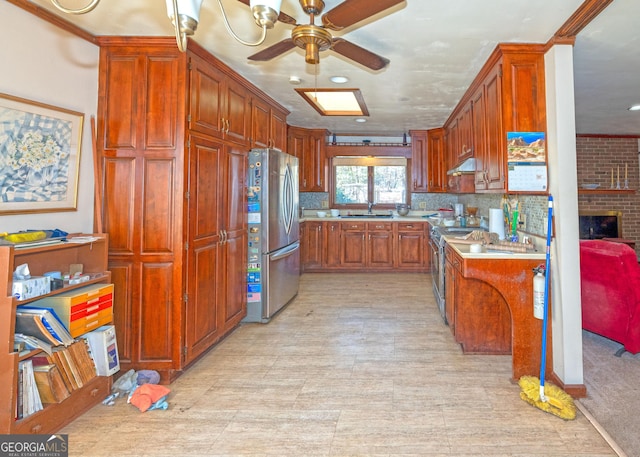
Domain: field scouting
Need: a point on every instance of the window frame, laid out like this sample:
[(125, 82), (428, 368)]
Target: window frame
[(367, 151)]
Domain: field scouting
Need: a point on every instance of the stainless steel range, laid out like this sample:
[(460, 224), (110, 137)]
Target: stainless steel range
[(436, 243)]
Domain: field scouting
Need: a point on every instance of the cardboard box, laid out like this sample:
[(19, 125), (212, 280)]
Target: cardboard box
[(104, 349), (23, 289)]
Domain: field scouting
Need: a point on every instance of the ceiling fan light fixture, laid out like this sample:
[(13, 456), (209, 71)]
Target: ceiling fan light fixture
[(188, 15), (265, 12), (312, 39)]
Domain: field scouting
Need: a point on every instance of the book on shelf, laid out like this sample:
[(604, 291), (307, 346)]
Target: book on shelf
[(43, 323), (75, 364), (33, 343), (28, 396), (50, 383)]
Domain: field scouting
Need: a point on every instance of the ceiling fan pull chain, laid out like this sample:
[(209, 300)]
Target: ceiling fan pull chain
[(232, 33), (86, 9)]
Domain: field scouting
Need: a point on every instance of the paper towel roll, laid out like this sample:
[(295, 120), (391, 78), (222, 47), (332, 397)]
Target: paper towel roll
[(496, 222)]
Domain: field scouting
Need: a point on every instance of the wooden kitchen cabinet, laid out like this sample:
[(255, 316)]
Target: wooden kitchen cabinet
[(219, 106), (312, 242), (508, 95), (380, 245), (436, 165), (465, 145), (268, 125), (308, 145), (491, 162), (477, 314), (41, 259), (332, 251), (420, 163), (336, 245), (353, 245), (174, 183), (215, 297), (412, 251)]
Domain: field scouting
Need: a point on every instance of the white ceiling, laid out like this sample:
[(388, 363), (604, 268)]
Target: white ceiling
[(436, 48)]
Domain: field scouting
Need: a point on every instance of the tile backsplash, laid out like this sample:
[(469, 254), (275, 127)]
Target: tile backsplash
[(534, 207)]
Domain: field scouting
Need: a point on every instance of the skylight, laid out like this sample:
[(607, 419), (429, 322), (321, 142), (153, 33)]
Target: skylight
[(335, 102)]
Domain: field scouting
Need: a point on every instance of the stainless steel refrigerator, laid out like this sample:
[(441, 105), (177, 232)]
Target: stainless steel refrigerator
[(274, 239)]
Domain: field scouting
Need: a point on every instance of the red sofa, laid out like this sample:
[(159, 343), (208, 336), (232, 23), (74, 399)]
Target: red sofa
[(610, 290)]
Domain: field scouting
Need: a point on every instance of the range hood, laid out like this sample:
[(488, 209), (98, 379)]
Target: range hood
[(466, 167)]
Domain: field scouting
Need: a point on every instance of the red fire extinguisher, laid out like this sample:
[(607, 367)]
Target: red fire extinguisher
[(538, 291)]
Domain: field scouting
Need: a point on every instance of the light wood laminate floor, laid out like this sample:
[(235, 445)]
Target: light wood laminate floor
[(356, 365)]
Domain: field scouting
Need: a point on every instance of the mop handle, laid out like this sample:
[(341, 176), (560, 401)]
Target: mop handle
[(543, 361)]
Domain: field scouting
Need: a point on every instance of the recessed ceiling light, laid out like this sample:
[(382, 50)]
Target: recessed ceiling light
[(339, 79), (634, 107), (360, 119)]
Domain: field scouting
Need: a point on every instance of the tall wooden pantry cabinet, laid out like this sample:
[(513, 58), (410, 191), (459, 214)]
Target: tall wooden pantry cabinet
[(173, 137)]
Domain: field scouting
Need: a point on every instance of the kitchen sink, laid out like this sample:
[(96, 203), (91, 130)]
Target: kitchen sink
[(376, 216)]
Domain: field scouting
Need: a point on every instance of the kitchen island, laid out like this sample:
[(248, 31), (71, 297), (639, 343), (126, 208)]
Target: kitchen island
[(489, 305)]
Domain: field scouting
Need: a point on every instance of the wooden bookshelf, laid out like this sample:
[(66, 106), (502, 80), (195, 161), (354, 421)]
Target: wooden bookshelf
[(41, 259)]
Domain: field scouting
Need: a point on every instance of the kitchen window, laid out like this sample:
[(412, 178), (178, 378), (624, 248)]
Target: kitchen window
[(359, 180)]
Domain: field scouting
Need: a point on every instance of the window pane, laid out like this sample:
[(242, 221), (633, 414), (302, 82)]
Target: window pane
[(390, 184), (351, 184)]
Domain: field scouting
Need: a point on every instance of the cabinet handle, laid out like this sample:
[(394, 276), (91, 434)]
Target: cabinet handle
[(36, 428), (222, 121), (227, 129)]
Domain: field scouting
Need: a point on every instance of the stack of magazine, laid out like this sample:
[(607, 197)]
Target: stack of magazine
[(42, 324)]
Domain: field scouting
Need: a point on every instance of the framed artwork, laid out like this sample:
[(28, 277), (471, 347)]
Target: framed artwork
[(39, 156)]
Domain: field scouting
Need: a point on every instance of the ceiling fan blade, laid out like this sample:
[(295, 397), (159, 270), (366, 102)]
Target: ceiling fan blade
[(273, 51), (358, 54), (350, 12), (282, 17)]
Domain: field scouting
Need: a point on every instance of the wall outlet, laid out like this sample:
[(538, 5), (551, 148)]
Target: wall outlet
[(522, 222), (422, 205), (325, 203)]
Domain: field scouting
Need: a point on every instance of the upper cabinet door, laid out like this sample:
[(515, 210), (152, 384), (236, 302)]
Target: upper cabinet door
[(207, 98), (436, 171), (419, 161), (237, 114), (260, 123), (219, 105), (268, 126)]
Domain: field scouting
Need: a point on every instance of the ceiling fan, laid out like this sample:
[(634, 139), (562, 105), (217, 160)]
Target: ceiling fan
[(314, 38)]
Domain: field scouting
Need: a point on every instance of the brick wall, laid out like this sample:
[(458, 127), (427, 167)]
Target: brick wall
[(596, 157)]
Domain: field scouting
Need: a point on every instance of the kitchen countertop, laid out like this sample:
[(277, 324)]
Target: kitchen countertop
[(368, 219), (464, 251), (418, 216)]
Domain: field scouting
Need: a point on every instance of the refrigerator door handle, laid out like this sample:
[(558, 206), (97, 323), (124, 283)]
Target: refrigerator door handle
[(287, 204), (286, 252)]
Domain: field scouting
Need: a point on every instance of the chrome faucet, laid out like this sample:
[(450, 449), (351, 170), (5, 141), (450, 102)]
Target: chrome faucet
[(370, 206)]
